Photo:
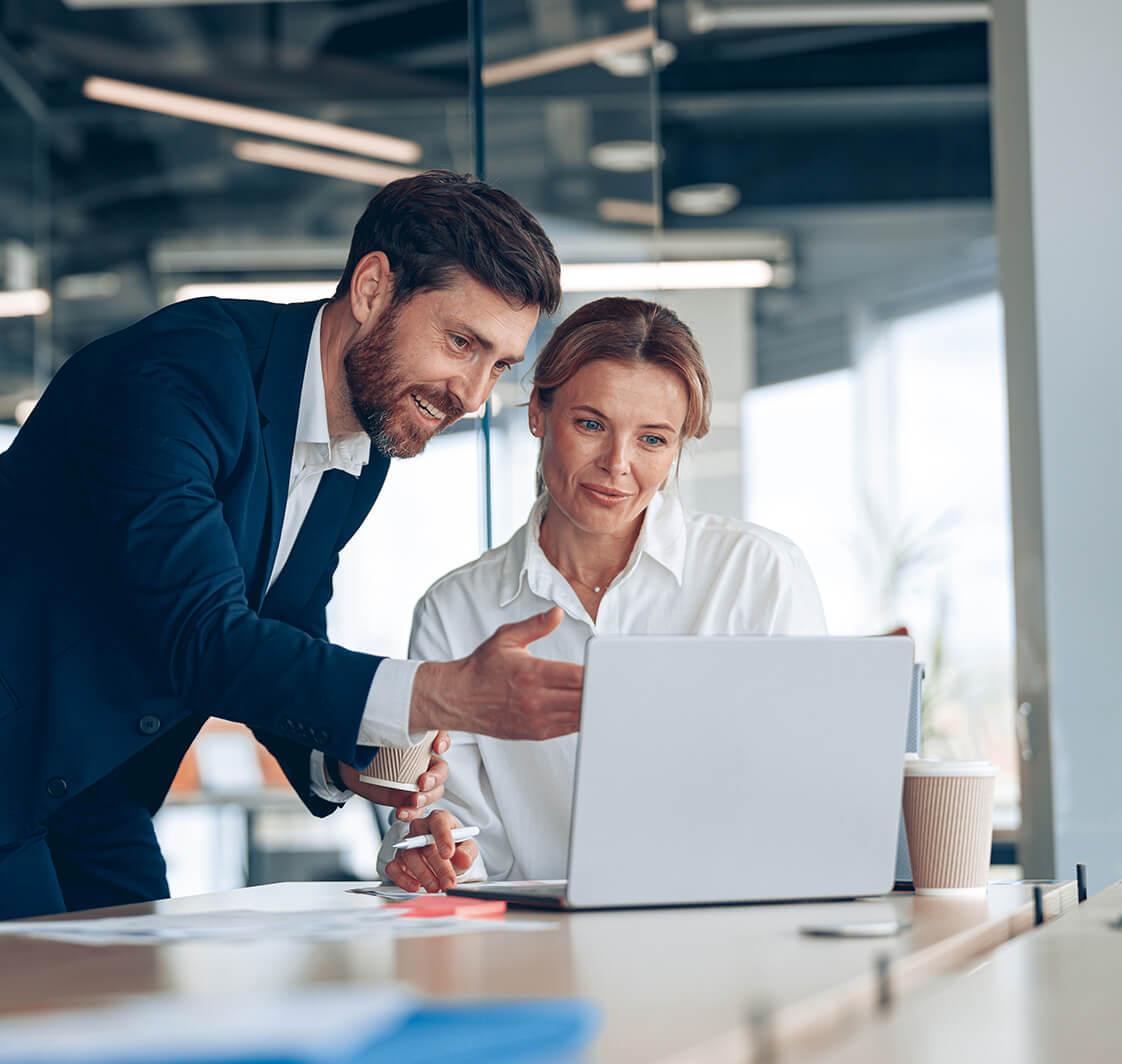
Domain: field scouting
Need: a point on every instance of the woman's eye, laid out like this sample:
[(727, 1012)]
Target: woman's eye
[(589, 423), (653, 441)]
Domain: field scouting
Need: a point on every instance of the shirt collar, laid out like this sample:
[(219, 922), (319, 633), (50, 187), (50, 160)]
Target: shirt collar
[(662, 539), (348, 453)]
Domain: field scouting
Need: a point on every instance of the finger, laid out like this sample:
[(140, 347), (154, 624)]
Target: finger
[(416, 805), (465, 855), (418, 866), (435, 774), (522, 633), (436, 874), (397, 871), (440, 827), (558, 675), (441, 743)]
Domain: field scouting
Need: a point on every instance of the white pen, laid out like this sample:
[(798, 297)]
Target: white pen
[(415, 842)]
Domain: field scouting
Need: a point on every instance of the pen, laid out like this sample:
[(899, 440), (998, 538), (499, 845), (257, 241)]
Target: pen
[(415, 842)]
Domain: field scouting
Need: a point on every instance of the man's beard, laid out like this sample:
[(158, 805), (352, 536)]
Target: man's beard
[(380, 397)]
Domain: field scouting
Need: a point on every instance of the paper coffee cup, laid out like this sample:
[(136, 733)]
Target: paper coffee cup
[(948, 817), (400, 766)]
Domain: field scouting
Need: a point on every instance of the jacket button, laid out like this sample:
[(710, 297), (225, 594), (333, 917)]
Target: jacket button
[(57, 786), (149, 725)]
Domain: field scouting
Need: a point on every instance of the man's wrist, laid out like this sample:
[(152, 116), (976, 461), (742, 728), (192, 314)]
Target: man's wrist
[(429, 710)]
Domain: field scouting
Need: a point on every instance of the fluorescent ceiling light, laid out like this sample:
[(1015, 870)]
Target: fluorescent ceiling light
[(639, 5), (675, 276), (625, 156), (253, 119), (703, 200), (271, 291), (364, 171), (566, 57), (704, 19), (636, 212), (24, 303)]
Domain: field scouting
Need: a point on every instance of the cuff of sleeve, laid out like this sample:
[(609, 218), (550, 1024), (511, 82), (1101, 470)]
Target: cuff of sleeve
[(322, 787), (385, 720)]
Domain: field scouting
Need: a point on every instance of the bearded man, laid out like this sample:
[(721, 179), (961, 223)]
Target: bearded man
[(171, 516)]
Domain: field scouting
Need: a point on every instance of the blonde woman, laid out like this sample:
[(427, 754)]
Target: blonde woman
[(618, 389)]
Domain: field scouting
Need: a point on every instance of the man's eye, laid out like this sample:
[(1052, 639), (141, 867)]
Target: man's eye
[(462, 342), (501, 367)]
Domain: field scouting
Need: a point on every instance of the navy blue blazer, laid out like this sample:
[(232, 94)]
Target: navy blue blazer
[(140, 509)]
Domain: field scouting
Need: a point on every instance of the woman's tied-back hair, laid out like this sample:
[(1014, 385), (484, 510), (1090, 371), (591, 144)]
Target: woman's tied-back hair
[(627, 330), (437, 223)]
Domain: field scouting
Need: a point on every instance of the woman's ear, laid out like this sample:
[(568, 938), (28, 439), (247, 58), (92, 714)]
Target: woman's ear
[(535, 415)]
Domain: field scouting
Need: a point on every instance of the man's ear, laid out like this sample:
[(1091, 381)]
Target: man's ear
[(371, 287)]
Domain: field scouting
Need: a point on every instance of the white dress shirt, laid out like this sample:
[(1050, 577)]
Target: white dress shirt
[(385, 718), (689, 574)]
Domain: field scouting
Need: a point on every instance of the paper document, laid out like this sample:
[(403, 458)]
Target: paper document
[(254, 924)]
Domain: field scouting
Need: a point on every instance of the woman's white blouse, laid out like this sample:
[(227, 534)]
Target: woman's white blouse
[(689, 574)]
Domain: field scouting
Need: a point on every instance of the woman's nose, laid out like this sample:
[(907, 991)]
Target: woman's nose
[(615, 458)]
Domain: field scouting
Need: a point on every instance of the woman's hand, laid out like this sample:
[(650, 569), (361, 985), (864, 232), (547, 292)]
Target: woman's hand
[(434, 867), (407, 803)]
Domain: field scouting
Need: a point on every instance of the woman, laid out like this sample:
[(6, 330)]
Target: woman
[(618, 389)]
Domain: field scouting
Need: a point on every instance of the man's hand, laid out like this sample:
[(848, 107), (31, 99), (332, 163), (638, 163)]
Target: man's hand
[(409, 803), (501, 689), (434, 867)]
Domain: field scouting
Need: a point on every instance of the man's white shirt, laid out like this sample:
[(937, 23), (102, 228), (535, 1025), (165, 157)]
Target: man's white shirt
[(385, 719), (689, 574)]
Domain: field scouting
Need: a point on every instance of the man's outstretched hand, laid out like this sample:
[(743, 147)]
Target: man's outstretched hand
[(501, 689), (409, 804)]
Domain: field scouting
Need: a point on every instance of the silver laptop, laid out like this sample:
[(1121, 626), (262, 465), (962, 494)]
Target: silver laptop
[(723, 769)]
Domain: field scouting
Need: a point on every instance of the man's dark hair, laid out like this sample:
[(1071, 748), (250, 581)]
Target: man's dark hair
[(438, 222)]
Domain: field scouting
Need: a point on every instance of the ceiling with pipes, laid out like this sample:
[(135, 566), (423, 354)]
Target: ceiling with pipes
[(856, 155)]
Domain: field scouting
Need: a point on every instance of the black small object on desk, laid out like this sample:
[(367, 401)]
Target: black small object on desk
[(1037, 906), (1081, 882)]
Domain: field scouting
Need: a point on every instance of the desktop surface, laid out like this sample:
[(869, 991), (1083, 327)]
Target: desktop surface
[(669, 981)]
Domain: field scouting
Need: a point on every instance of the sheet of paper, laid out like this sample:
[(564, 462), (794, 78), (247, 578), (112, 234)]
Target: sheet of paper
[(252, 924), (310, 1024)]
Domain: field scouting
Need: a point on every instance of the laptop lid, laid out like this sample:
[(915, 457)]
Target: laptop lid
[(738, 768)]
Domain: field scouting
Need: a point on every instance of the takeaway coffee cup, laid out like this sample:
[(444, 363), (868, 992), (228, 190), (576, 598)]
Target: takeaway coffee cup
[(400, 766), (948, 816)]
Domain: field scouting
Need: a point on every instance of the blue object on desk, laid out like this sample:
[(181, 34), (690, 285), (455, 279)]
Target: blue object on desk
[(512, 1032)]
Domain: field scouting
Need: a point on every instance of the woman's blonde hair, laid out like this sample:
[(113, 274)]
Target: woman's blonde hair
[(627, 330)]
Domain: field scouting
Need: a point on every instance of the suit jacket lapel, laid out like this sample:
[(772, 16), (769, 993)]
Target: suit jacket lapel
[(278, 400), (315, 543)]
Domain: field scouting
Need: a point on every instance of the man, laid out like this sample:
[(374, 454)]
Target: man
[(170, 520)]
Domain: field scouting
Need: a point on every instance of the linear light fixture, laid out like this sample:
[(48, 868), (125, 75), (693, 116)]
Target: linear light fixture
[(272, 291), (675, 276), (639, 5), (566, 57), (252, 119), (702, 19), (24, 303), (292, 157)]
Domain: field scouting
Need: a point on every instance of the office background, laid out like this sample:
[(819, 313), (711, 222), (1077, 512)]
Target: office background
[(812, 187)]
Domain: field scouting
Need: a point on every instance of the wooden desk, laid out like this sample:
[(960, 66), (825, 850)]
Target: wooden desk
[(674, 984), (1050, 995)]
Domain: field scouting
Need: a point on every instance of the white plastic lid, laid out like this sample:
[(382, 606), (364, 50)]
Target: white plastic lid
[(915, 766)]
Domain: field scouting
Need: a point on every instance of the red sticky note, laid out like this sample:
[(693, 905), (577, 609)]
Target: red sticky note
[(430, 905)]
